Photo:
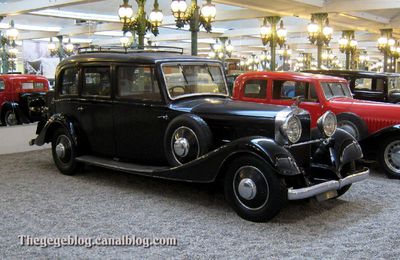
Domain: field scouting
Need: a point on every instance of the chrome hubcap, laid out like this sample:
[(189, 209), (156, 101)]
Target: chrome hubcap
[(392, 156), (250, 187), (63, 149), (185, 145), (11, 119), (181, 147), (60, 150), (247, 189)]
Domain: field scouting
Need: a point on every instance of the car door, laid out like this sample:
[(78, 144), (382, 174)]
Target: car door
[(95, 109), (66, 93), (284, 92), (140, 115)]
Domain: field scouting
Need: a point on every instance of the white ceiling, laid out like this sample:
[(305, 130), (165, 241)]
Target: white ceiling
[(238, 19)]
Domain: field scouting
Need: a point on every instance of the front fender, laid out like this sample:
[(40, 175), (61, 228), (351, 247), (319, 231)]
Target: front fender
[(209, 166), (45, 130)]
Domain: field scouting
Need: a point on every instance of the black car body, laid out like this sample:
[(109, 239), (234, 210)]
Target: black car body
[(177, 122), (367, 85)]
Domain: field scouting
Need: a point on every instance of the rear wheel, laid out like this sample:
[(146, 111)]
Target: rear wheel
[(253, 190), (389, 156), (10, 118), (64, 152)]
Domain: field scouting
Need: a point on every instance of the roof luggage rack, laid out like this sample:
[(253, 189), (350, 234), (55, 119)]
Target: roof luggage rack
[(120, 49)]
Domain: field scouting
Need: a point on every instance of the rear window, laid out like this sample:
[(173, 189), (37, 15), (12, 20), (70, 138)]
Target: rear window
[(2, 86), (96, 82), (32, 85)]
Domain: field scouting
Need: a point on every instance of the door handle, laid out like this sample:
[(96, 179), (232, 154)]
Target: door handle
[(164, 117), (80, 108)]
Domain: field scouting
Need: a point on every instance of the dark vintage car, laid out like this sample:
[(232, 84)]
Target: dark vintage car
[(367, 85), (169, 116), (230, 81), (22, 98)]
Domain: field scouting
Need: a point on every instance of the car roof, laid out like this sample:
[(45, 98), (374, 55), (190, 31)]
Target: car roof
[(21, 76), (295, 75), (355, 72), (139, 57)]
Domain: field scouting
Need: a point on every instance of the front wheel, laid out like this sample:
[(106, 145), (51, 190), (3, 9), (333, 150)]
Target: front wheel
[(253, 190), (389, 156), (10, 118), (64, 152)]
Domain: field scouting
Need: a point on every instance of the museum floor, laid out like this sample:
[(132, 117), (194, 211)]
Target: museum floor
[(38, 201)]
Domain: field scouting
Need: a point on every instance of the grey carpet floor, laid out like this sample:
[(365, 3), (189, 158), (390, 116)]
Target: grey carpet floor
[(36, 200)]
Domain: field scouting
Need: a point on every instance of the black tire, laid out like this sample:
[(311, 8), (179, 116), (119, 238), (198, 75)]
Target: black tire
[(11, 118), (66, 164), (389, 163), (353, 124), (347, 169), (266, 200), (187, 137)]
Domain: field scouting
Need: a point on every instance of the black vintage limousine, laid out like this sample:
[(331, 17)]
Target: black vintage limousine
[(169, 116), (368, 85)]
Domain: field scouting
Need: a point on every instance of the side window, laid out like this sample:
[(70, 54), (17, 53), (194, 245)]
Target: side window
[(2, 86), (256, 89), (380, 85), (138, 83), (69, 82), (96, 82), (363, 84), (290, 89)]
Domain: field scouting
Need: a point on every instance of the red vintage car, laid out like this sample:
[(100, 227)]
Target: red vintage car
[(374, 124), (22, 98)]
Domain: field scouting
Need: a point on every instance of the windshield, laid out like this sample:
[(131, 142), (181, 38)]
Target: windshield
[(194, 79), (335, 89), (394, 84)]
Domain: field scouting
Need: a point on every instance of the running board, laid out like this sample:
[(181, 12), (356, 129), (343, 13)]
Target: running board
[(120, 166)]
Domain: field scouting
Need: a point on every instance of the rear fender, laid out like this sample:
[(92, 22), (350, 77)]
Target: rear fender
[(45, 130), (17, 110), (371, 143)]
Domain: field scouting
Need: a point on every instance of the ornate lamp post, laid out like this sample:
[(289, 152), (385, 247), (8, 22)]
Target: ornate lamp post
[(363, 59), (265, 59), (61, 50), (319, 33), (328, 57), (385, 42), (139, 23), (348, 45), (8, 47), (273, 35), (394, 54), (304, 60), (194, 16), (285, 54), (222, 49)]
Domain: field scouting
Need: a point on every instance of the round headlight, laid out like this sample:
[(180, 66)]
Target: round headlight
[(292, 128), (327, 123)]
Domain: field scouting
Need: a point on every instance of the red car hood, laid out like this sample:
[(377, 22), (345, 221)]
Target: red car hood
[(377, 115)]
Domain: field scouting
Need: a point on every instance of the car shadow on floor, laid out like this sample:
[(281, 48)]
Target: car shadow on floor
[(211, 196)]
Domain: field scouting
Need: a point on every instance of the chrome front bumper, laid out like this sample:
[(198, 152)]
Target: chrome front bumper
[(308, 192)]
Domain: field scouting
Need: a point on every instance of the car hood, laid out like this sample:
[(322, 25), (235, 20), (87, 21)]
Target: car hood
[(227, 107), (369, 110)]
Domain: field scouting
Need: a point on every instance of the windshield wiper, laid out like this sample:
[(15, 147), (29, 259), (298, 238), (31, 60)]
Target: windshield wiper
[(209, 72), (183, 73)]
